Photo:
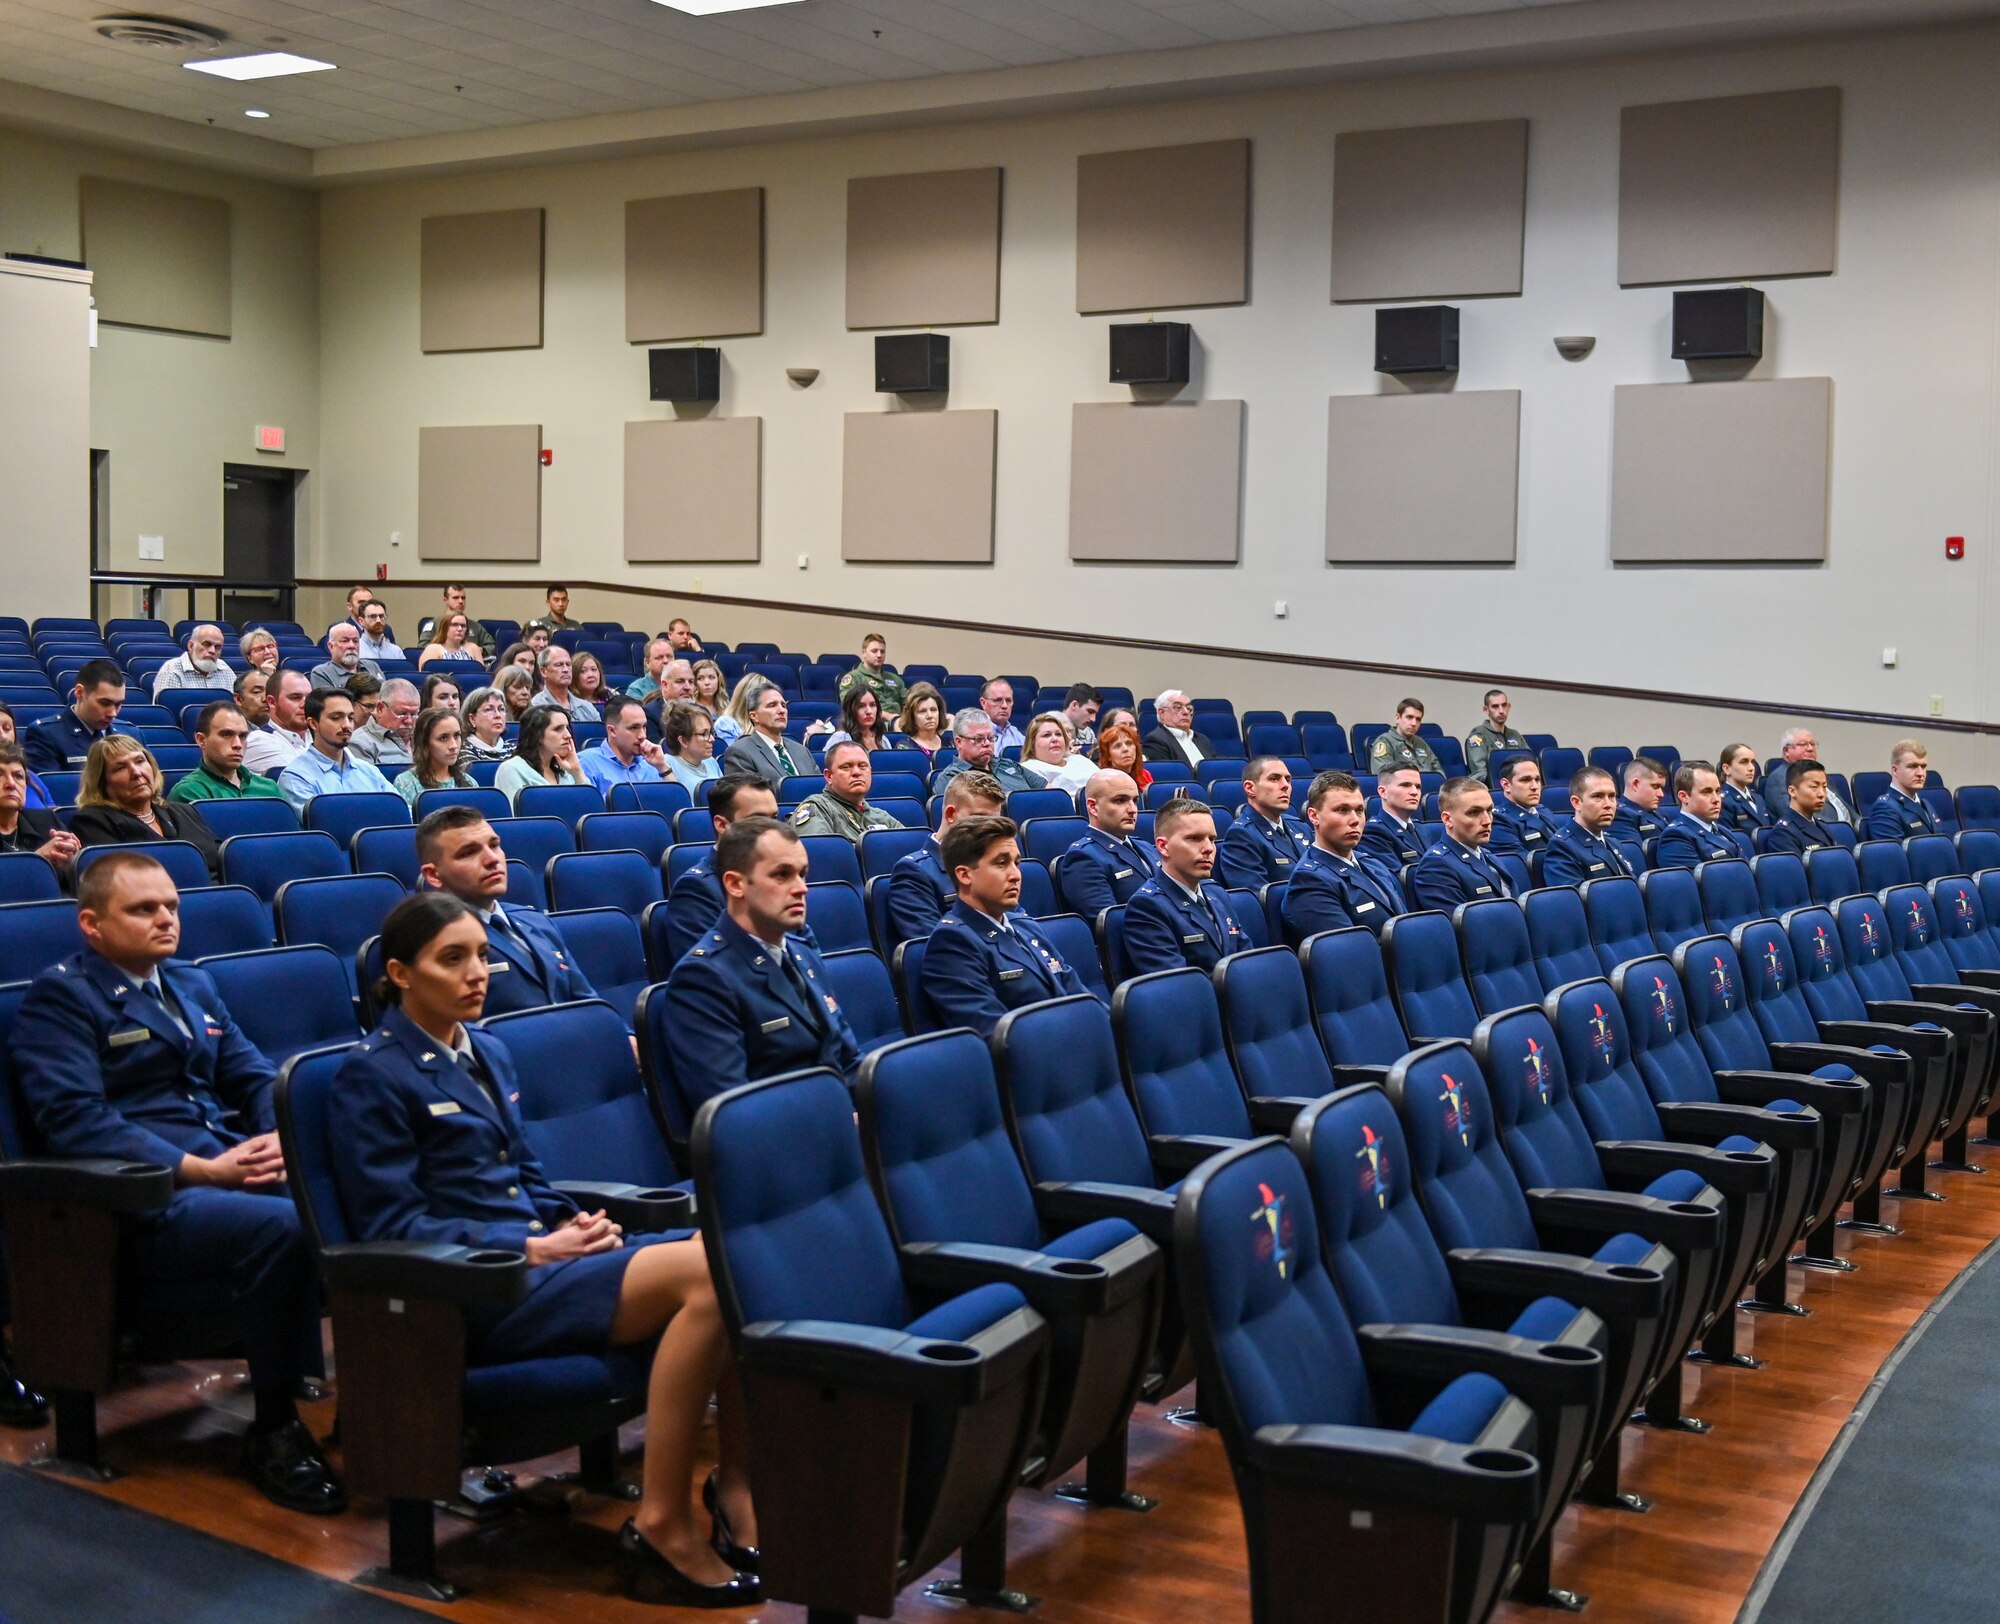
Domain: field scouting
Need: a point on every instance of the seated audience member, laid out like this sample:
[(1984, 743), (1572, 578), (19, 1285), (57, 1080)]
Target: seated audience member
[(223, 733), (343, 658), (538, 638), (1490, 736), (919, 888), (440, 692), (1696, 833), (842, 807), (521, 654), (659, 654), (122, 797), (689, 747), (555, 618), (328, 768), (922, 720), (763, 751), (480, 639), (681, 635), (202, 666), (711, 691), (1802, 827), (432, 1149), (530, 967), (1798, 744), (259, 650), (1900, 811), (366, 692), (378, 643), (23, 828), (1049, 757), (624, 755), (872, 676), (38, 793), (588, 682), (862, 720), (1266, 840), (545, 753), (60, 743), (1582, 848), (385, 740), (557, 668), (978, 750), (451, 639), (516, 690), (1338, 882), (1175, 738), (437, 759), (695, 902), (676, 687), (750, 999), (1459, 868), (1403, 745), (485, 719), (1107, 863), (1080, 706), (986, 957), (1639, 817), (123, 1053), (1180, 917), (996, 698), (274, 747), (1743, 807), (252, 692), (1521, 823), (358, 597), (1391, 836), (1118, 748)]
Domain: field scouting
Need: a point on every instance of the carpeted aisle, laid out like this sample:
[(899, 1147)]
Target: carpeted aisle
[(1898, 1523), (68, 1556)]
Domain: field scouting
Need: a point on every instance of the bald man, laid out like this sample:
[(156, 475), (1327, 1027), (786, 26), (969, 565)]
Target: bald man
[(1107, 863)]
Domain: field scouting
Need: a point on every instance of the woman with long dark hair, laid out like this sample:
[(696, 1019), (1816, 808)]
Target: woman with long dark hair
[(545, 753)]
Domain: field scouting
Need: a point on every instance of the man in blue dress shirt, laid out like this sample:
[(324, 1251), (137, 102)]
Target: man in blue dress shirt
[(1265, 842), (326, 766), (751, 998), (986, 956), (624, 755), (1180, 917), (528, 967), (1458, 868), (1338, 883), (124, 1054), (1695, 833), (1801, 828), (696, 902), (1391, 837), (1582, 849), (920, 892), (1521, 823), (1108, 862), (61, 743), (1900, 812)]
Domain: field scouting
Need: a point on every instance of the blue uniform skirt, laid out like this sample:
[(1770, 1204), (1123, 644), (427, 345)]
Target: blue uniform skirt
[(568, 1309)]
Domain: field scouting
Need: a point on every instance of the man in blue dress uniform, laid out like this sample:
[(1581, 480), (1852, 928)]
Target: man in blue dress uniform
[(1801, 828), (1521, 823), (695, 903), (1391, 837), (1695, 833), (1582, 849), (986, 957), (61, 743), (1639, 818), (1338, 882), (1457, 869), (1900, 811), (1107, 863), (1181, 917), (920, 892), (1266, 841)]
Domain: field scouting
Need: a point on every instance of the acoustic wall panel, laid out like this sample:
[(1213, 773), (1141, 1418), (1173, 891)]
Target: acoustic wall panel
[(479, 493), (1721, 473), (482, 281), (1156, 484), (157, 259), (1429, 213), (1422, 479), (1163, 227), (693, 490), (1729, 189), (694, 266), (923, 250), (917, 487)]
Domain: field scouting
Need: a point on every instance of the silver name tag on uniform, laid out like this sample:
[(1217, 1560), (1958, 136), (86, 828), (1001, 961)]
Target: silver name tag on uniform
[(1364, 907), (446, 1108), (137, 1034), (1012, 975), (1122, 874), (495, 966), (1283, 862), (1193, 941), (1482, 890), (1597, 868), (778, 1025)]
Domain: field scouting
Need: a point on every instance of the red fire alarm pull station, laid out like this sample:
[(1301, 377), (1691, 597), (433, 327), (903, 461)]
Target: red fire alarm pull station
[(548, 458), (1954, 547)]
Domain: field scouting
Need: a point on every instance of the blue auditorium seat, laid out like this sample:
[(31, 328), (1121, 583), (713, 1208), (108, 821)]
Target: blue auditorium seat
[(492, 802), (1617, 914), (339, 911), (266, 862), (183, 861), (837, 916), (1269, 1030), (287, 1000), (1360, 1030), (1559, 931), (223, 919), (832, 857), (645, 832), (568, 802), (1782, 882), (1882, 863), (882, 849), (1499, 958), (26, 876), (1176, 1064), (1931, 857), (607, 947), (388, 851), (1420, 953), (342, 815), (1728, 893), (1977, 849), (861, 981), (532, 842), (1832, 872), (627, 880), (35, 935), (1073, 939), (259, 815), (1673, 907), (1917, 939), (667, 799), (1978, 806)]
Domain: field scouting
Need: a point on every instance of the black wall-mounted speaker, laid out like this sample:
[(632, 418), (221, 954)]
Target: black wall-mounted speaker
[(686, 375), (1719, 324), (912, 363), (1417, 338), (1150, 351)]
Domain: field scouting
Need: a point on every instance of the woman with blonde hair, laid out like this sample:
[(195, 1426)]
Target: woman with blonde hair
[(1049, 754), (122, 798), (734, 721), (448, 641), (710, 687)]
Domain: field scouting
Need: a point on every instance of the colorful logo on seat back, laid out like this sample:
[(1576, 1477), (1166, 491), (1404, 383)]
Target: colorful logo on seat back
[(1719, 982), (1774, 966), (1871, 935), (1273, 1221), (1535, 1071), (1662, 1003), (1374, 1175), (1963, 912), (1822, 952), (1602, 1041), (1457, 1114), (1918, 929)]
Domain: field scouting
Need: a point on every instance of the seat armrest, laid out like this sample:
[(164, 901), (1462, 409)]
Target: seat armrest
[(1071, 1288), (1176, 1155), (1275, 1113), (919, 1369), (1400, 1470), (1071, 1206), (1537, 1372), (1957, 992), (635, 1208), (1988, 979), (1824, 1094), (1862, 1033), (1888, 1069), (1733, 1172), (1709, 1124), (1615, 1291), (1349, 1076), (1681, 1226), (1904, 1013), (467, 1276), (109, 1186)]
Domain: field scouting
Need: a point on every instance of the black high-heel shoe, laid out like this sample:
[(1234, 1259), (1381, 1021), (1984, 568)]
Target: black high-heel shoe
[(650, 1577), (743, 1558)]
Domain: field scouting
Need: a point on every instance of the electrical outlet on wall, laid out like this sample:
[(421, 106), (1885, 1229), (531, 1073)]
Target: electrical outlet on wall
[(1937, 704)]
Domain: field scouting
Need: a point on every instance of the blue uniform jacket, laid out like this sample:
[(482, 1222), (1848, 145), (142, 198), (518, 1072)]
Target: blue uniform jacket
[(1896, 816), (1633, 825), (1575, 855), (542, 975), (1684, 842), (105, 1072), (1522, 829), (1327, 894), (1744, 809), (60, 743), (737, 1015), (1798, 833), (1253, 854), (695, 905), (428, 1152), (1098, 871), (1449, 874), (974, 972), (1164, 930), (1392, 845), (919, 893)]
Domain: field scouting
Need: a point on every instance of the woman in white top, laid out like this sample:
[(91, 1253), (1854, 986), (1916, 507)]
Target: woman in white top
[(1049, 755), (545, 754), (485, 717), (448, 642), (688, 735)]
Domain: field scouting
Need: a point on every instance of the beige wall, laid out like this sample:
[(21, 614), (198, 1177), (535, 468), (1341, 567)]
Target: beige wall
[(44, 425)]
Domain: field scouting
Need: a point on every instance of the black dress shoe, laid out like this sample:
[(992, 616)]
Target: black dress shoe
[(287, 1467), (650, 1577), (743, 1558), (20, 1404)]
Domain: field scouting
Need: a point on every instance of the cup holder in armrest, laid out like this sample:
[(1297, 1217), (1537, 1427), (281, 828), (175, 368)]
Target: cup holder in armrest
[(1631, 1271), (949, 1353), (495, 1259), (659, 1195), (1568, 1354), (1079, 1268), (139, 1170), (1744, 1155), (1510, 1461), (1694, 1207)]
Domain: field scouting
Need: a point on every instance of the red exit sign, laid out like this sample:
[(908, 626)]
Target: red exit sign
[(270, 438)]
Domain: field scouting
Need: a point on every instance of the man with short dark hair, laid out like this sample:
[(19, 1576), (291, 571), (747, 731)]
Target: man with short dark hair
[(123, 1053), (681, 635), (842, 807), (919, 889), (1899, 811), (986, 957), (1080, 706), (1582, 848), (1521, 823), (1694, 834), (1402, 745), (327, 768), (1458, 868), (1639, 817), (887, 687), (1106, 864), (1265, 842), (61, 743), (222, 732), (978, 747), (624, 755), (556, 617), (274, 748), (202, 666), (252, 690), (1391, 836), (1180, 918), (343, 658), (1800, 829), (696, 900), (384, 740), (376, 641), (1491, 736), (996, 698), (1338, 882)]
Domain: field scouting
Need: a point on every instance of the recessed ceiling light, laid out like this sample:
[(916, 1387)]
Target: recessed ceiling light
[(264, 65), (255, 112), (710, 8)]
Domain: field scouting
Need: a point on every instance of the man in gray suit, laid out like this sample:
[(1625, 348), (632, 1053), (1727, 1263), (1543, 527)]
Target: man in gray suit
[(765, 752)]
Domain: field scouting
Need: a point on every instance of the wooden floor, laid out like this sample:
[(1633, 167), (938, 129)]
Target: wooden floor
[(1720, 1499)]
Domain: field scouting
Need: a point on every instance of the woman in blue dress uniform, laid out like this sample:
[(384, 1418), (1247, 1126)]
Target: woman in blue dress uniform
[(432, 1149)]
